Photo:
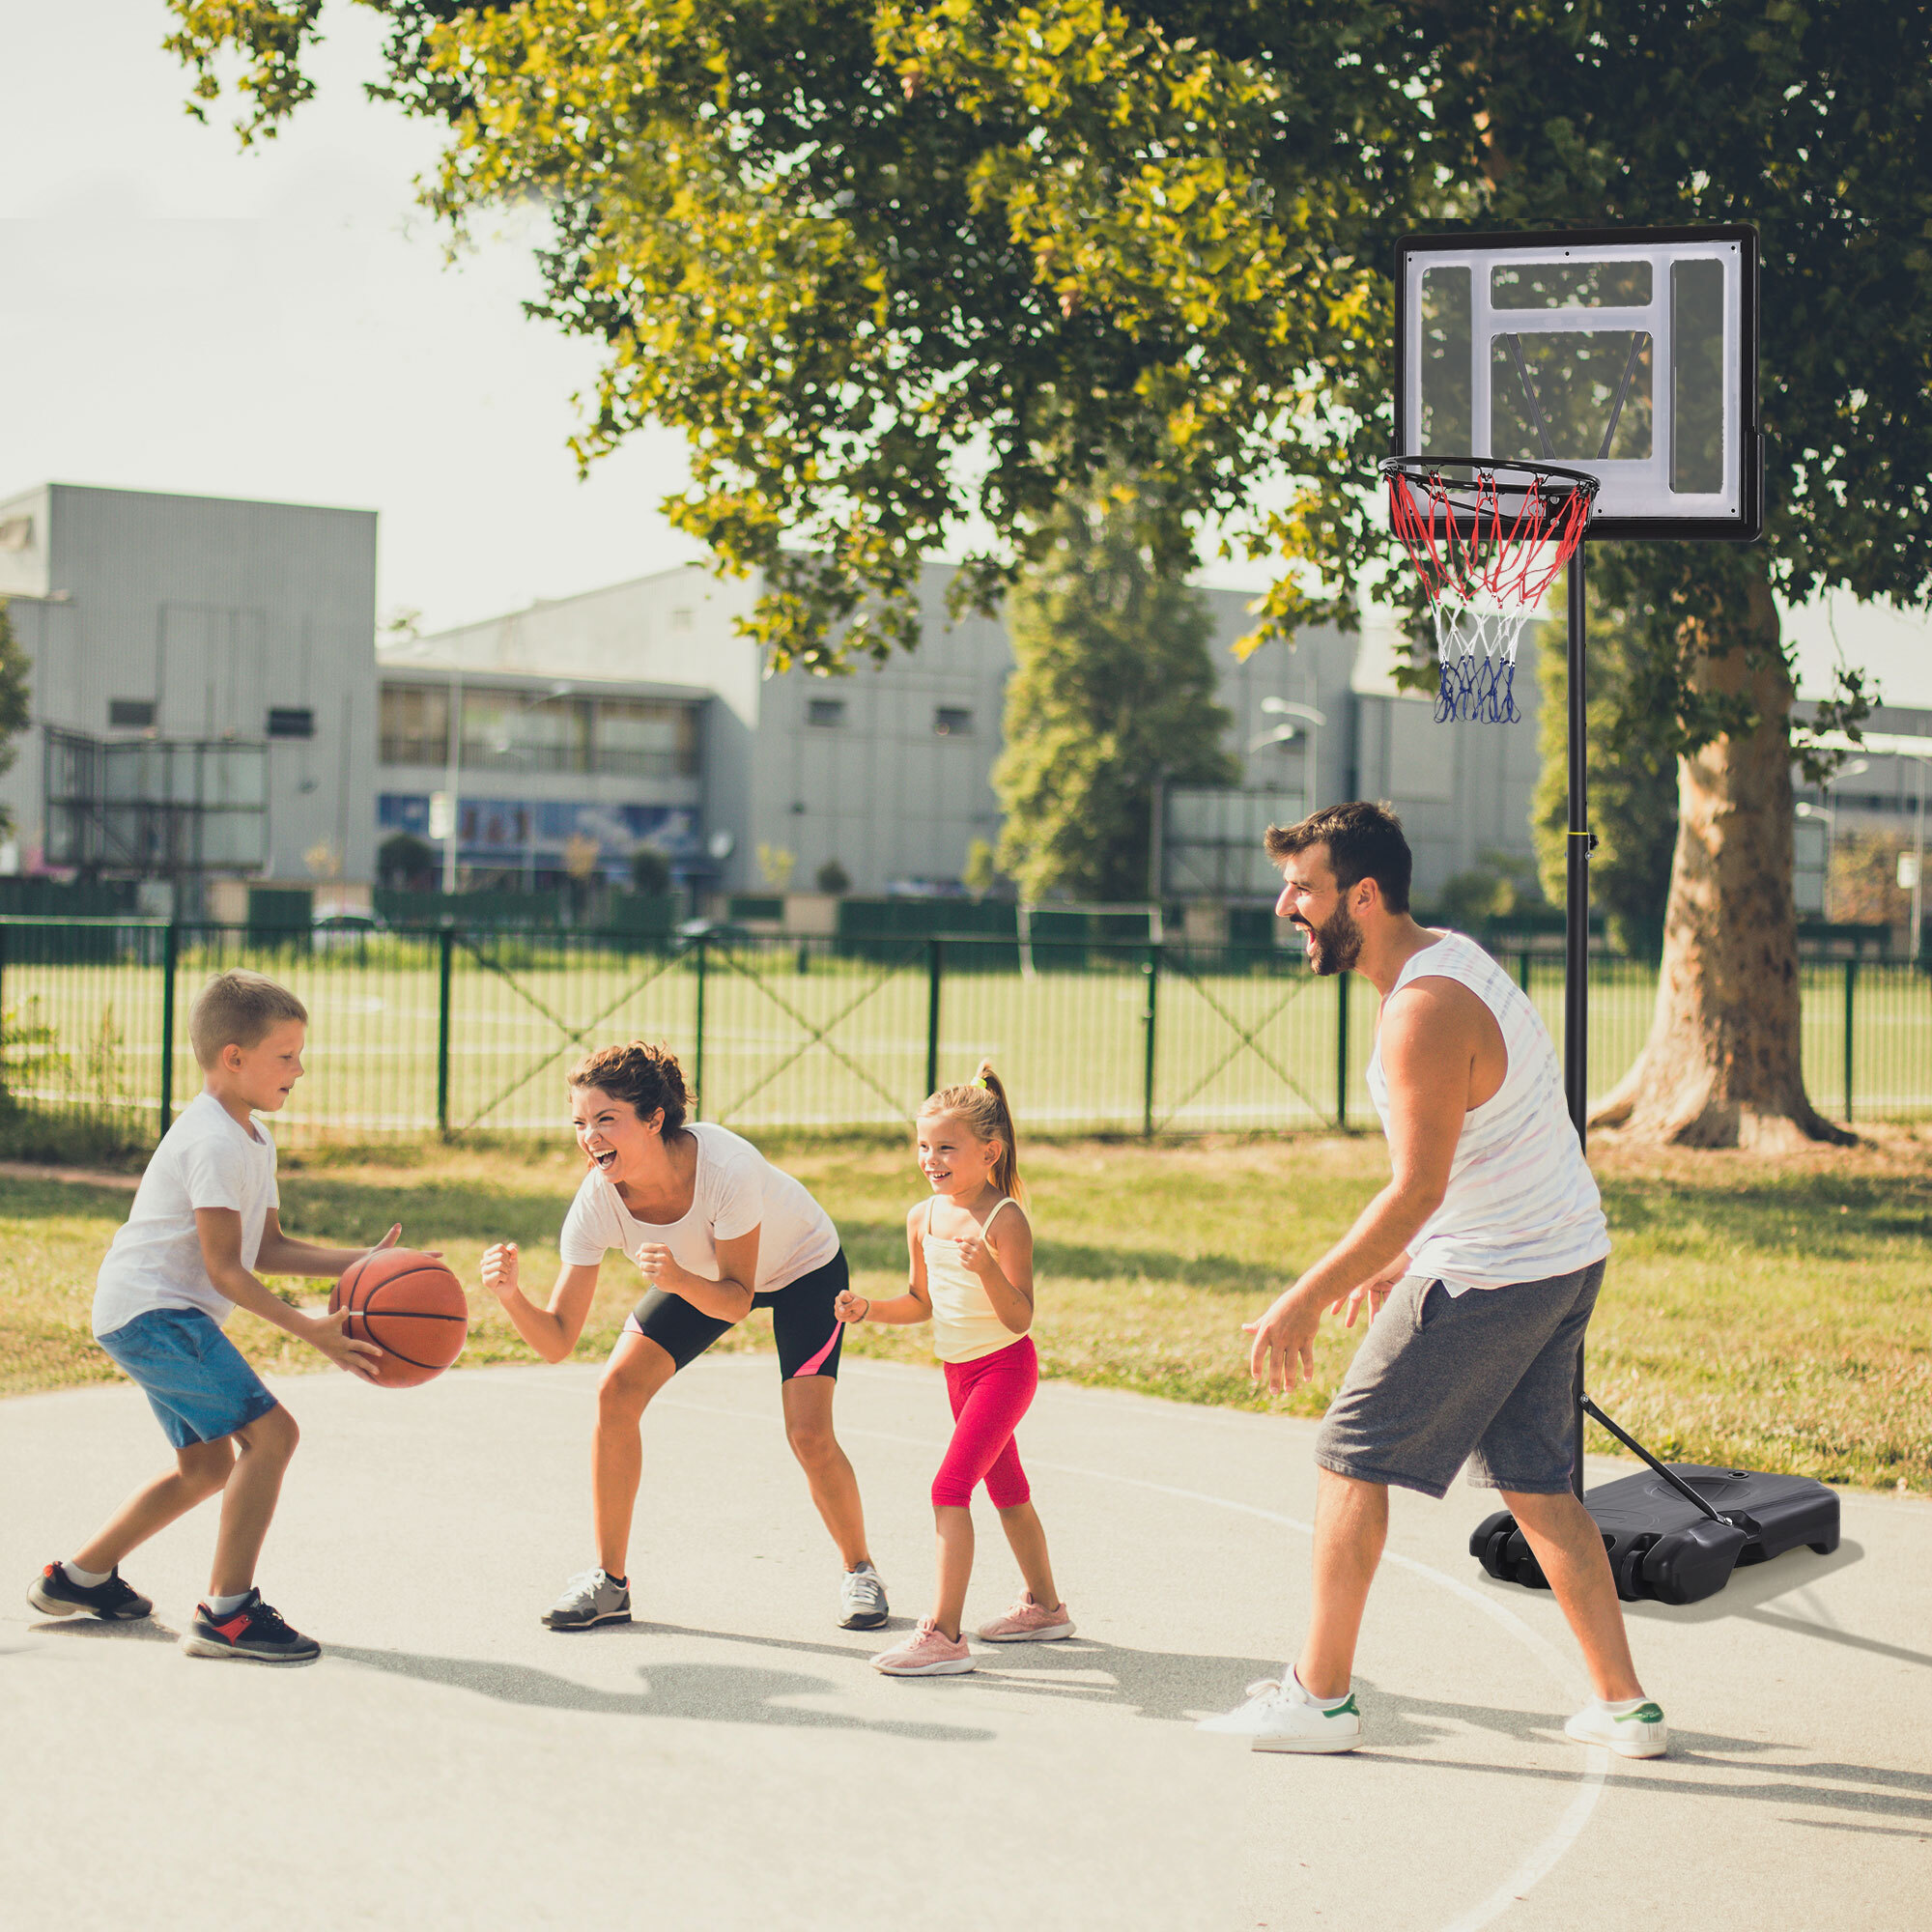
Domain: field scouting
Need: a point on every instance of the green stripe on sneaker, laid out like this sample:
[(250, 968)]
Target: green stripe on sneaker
[(1348, 1708), (1644, 1714)]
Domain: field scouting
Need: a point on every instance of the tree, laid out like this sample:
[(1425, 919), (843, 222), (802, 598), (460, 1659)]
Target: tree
[(1633, 784), (650, 873), (15, 701), (901, 274), (892, 266), (1114, 690), (1811, 122), (832, 877), (405, 859)]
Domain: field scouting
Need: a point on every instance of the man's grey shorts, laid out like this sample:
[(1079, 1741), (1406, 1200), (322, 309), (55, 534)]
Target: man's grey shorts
[(1488, 1377)]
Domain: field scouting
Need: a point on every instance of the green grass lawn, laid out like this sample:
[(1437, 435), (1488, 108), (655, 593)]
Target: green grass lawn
[(1769, 1314)]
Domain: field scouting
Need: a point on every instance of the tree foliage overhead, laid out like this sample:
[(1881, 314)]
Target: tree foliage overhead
[(1114, 692), (893, 267), (898, 269)]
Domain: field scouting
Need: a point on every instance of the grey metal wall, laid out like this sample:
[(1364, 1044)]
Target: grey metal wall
[(215, 611)]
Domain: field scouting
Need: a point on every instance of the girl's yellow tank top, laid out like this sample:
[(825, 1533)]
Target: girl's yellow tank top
[(964, 1322)]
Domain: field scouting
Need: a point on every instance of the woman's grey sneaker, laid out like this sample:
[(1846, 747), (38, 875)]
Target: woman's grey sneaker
[(55, 1594), (862, 1600), (254, 1632), (587, 1601)]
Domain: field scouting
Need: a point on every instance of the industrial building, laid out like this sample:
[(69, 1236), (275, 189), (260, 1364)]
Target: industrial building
[(887, 771), (203, 684), (210, 702)]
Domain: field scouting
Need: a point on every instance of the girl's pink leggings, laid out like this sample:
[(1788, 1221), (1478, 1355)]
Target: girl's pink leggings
[(989, 1398)]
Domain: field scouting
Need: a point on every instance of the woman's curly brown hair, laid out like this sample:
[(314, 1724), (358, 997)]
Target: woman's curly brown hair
[(645, 1076)]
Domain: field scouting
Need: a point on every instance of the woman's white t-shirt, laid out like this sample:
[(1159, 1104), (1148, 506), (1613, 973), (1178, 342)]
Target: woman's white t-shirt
[(207, 1159), (736, 1190)]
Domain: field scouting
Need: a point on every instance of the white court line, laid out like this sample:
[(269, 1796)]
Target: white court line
[(1543, 1857)]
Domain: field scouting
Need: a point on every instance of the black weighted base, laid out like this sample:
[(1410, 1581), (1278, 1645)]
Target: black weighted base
[(1662, 1548)]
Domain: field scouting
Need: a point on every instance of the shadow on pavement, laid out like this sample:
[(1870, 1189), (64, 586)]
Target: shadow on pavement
[(142, 1630), (718, 1692), (1159, 1684), (1900, 1794)]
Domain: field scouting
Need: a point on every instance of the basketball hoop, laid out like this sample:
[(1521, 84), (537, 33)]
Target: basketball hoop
[(1487, 538)]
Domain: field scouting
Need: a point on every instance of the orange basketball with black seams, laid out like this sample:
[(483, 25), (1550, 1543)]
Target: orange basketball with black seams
[(411, 1307)]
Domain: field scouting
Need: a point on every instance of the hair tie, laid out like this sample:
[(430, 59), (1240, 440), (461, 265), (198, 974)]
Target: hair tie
[(980, 1083)]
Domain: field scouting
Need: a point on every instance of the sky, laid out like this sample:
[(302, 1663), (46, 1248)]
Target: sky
[(180, 314)]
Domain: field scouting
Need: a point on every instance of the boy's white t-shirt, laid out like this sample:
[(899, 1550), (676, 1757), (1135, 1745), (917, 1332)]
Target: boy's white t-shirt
[(736, 1190), (207, 1159)]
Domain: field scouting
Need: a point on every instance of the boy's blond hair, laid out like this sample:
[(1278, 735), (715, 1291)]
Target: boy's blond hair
[(238, 1009)]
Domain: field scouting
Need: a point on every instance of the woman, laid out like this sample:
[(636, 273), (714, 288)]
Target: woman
[(716, 1231)]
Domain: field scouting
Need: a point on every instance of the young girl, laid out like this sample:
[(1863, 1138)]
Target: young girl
[(716, 1231), (972, 1276)]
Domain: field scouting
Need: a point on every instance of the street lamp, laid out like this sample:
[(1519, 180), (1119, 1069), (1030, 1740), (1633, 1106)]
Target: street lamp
[(1312, 721)]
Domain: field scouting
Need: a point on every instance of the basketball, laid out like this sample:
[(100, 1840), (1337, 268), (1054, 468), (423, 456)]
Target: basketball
[(411, 1307)]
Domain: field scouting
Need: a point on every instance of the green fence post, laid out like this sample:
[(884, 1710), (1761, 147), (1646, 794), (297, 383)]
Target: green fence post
[(697, 1056), (1152, 972), (445, 965), (1851, 1002), (1342, 981), (1522, 968), (170, 953), (933, 952), (2, 1007)]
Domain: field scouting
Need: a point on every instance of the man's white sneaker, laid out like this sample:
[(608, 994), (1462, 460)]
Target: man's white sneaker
[(1281, 1716), (1638, 1733)]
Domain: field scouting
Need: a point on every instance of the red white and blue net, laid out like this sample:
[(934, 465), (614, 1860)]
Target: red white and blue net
[(1488, 540)]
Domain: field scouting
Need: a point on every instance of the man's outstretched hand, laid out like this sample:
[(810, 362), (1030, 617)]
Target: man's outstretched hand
[(1283, 1354)]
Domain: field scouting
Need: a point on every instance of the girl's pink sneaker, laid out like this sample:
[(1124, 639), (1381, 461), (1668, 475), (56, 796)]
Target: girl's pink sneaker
[(1027, 1622), (928, 1653)]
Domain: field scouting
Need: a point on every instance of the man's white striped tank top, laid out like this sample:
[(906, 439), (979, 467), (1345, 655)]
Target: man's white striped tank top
[(1521, 1203), (965, 1325)]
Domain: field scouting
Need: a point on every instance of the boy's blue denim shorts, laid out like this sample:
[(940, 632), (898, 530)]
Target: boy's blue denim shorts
[(193, 1376)]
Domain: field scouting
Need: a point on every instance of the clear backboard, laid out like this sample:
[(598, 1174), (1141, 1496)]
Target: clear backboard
[(1627, 353)]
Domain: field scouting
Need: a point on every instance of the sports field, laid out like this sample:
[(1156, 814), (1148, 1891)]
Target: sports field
[(411, 1035), (1772, 1314)]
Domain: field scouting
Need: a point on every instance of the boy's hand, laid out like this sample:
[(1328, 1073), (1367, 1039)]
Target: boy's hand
[(394, 1235), (499, 1270), (850, 1307), (329, 1333)]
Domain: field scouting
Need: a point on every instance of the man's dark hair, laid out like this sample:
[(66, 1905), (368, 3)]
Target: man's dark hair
[(1364, 841)]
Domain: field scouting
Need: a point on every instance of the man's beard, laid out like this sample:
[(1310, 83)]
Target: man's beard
[(1338, 944)]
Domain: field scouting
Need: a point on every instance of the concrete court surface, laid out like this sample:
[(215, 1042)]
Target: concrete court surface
[(730, 1761)]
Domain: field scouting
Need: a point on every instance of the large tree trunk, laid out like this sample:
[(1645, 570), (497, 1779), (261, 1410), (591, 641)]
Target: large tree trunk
[(1722, 1067)]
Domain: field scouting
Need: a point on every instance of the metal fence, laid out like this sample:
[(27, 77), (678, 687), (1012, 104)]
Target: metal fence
[(458, 1031)]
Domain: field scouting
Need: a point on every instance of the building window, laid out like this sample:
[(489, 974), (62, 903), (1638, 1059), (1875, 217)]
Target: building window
[(415, 725), (952, 721), (826, 711), (16, 533), (638, 738), (518, 731), (680, 617), (131, 714), (291, 721)]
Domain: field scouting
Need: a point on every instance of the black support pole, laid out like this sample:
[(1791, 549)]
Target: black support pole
[(1577, 920)]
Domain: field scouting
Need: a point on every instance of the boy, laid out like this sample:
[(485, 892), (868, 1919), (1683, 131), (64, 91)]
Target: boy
[(203, 1220)]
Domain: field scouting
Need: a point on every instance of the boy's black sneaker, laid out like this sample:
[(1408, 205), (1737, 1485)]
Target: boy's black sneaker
[(254, 1632), (55, 1594)]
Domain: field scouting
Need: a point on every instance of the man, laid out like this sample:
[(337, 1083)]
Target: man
[(1480, 1262)]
